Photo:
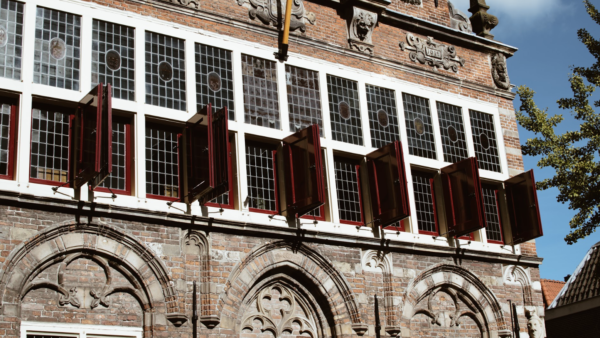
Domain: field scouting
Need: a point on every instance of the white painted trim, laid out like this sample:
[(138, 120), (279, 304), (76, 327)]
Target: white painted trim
[(80, 330)]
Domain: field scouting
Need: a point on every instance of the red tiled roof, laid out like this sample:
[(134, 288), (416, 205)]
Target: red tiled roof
[(550, 289)]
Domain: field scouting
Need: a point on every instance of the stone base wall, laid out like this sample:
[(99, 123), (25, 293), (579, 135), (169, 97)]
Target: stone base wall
[(128, 271)]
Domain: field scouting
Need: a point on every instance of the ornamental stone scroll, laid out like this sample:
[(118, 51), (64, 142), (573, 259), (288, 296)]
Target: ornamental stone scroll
[(432, 53), (272, 12), (361, 24), (186, 3)]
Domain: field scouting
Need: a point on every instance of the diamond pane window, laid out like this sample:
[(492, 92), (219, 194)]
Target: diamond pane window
[(344, 109), (419, 126), (165, 71), (452, 130), (261, 100), (49, 146), (113, 58), (162, 167), (425, 202), (490, 203), (347, 188), (383, 117), (118, 180), (304, 98), (11, 38), (484, 139), (7, 139), (260, 171), (214, 78), (57, 49)]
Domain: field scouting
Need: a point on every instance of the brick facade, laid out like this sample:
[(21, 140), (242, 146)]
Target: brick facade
[(99, 264)]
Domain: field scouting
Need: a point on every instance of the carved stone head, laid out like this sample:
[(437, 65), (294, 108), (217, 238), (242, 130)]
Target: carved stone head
[(535, 326), (364, 25), (500, 72)]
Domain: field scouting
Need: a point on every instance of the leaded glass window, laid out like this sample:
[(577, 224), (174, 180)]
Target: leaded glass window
[(484, 139), (424, 202), (118, 180), (347, 188), (113, 58), (344, 109), (490, 203), (57, 49), (49, 145), (304, 98), (6, 151), (162, 170), (383, 117), (260, 171), (214, 78), (165, 71), (11, 38), (452, 130), (419, 126), (261, 100)]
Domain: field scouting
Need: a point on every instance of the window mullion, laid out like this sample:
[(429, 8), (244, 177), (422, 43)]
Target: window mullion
[(364, 114), (242, 178), (85, 65), (333, 200), (190, 72), (284, 116), (439, 146), (238, 92)]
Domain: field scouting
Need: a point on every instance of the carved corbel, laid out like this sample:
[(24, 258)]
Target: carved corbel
[(271, 12), (482, 21), (361, 23)]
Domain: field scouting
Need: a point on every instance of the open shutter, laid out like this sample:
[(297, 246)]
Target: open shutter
[(303, 170), (463, 197), (523, 208), (198, 149), (220, 159), (388, 185), (91, 141)]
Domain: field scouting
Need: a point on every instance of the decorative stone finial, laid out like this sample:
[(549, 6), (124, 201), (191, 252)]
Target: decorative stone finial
[(481, 20)]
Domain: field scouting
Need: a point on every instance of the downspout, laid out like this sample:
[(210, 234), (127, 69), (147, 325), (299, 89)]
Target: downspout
[(282, 54)]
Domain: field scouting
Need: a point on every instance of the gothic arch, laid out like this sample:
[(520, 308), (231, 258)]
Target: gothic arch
[(517, 275), (150, 283), (299, 263), (480, 303)]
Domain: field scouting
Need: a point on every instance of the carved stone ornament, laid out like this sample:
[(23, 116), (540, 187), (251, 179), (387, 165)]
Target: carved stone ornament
[(360, 30), (432, 53), (187, 3), (482, 21), (459, 20), (279, 312), (535, 325), (270, 11), (412, 2), (500, 72)]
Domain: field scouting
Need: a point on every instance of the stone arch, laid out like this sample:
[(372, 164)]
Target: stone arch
[(517, 275), (480, 303), (150, 283), (300, 263)]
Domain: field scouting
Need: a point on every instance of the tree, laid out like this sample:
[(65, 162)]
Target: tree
[(574, 154)]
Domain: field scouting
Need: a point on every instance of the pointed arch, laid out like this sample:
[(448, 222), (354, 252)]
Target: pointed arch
[(151, 285), (482, 305), (302, 264)]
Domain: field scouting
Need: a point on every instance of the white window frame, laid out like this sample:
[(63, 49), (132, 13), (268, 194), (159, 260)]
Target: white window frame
[(90, 11), (79, 330)]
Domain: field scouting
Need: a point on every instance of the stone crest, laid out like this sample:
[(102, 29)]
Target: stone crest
[(273, 11), (412, 2), (459, 20), (500, 72), (432, 53), (360, 30), (187, 3)]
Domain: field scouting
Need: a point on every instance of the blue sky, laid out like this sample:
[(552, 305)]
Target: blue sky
[(545, 31)]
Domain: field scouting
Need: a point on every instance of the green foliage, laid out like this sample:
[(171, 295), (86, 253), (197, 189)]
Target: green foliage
[(574, 154)]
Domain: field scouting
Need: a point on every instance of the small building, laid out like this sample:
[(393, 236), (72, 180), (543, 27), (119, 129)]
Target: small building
[(576, 309), (550, 289)]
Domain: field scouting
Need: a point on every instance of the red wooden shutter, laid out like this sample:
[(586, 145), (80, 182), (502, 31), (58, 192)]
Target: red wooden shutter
[(198, 150), (90, 131), (304, 188), (523, 208), (388, 185), (463, 197), (219, 162)]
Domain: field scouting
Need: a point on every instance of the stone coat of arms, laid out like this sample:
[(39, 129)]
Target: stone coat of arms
[(273, 12), (432, 53)]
